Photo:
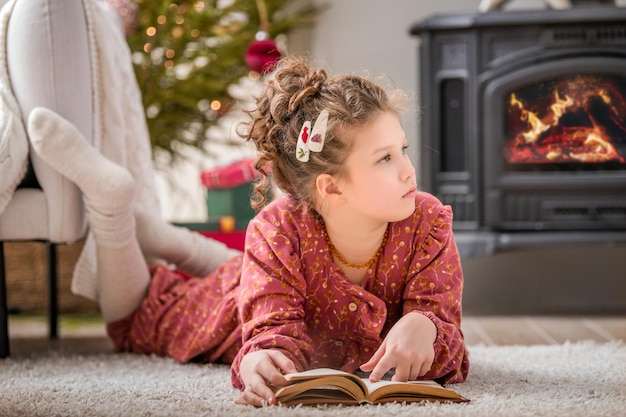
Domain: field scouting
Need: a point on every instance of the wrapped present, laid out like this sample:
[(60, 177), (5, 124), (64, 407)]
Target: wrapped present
[(230, 176), (228, 191), (220, 229)]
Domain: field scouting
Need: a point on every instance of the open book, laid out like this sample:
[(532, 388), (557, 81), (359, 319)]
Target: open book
[(331, 386)]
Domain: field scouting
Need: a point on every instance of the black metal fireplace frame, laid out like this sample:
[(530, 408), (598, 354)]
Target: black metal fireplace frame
[(460, 57)]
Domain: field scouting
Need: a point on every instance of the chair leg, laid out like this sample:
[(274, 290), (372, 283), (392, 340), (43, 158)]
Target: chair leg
[(4, 311), (53, 301)]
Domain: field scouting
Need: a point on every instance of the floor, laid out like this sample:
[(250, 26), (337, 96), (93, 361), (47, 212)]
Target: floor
[(542, 330), (87, 335)]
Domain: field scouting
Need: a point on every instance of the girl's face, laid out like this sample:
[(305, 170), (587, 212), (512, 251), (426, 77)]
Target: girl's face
[(380, 181)]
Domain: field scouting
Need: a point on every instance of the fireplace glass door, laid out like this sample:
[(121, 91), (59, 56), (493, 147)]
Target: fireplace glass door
[(554, 149)]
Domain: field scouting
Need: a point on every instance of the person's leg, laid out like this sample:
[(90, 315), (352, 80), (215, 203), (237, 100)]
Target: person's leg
[(108, 190), (189, 251)]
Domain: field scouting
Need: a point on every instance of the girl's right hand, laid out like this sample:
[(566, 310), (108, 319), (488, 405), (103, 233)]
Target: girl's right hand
[(260, 369)]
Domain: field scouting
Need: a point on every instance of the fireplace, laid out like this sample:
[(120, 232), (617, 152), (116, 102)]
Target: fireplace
[(523, 130)]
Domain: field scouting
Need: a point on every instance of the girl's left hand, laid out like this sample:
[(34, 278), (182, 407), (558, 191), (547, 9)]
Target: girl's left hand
[(408, 348), (260, 370)]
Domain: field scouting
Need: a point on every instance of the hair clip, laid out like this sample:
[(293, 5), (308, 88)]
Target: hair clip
[(318, 134), (312, 140), (302, 149)]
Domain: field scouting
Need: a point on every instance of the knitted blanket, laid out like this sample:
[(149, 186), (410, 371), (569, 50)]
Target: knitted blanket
[(13, 140)]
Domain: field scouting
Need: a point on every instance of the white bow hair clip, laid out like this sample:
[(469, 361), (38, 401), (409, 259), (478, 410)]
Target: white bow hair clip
[(315, 143)]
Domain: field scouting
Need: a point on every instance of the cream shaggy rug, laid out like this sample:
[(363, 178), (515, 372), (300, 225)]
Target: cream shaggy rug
[(577, 379)]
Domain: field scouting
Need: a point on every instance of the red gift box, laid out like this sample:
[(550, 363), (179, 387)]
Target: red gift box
[(230, 176)]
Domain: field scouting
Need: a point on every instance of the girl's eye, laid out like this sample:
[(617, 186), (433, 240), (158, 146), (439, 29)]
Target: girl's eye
[(387, 157)]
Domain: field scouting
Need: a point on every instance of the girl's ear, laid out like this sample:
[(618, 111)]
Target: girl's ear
[(328, 189)]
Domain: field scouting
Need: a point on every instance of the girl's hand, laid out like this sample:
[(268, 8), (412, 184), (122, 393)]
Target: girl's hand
[(260, 369), (408, 347)]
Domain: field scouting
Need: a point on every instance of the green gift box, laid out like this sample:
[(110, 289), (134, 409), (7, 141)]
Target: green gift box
[(234, 202), (228, 191)]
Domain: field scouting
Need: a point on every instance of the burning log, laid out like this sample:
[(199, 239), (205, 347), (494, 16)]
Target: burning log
[(605, 121)]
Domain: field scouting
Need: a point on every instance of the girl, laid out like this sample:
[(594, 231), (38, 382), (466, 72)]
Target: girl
[(352, 268)]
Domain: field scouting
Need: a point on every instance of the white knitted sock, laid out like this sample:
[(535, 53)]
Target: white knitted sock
[(108, 190), (190, 251)]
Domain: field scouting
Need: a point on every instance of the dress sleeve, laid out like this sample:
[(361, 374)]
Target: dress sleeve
[(272, 295), (435, 287)]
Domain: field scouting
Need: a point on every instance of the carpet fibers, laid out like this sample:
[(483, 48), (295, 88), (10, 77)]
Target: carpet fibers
[(572, 379)]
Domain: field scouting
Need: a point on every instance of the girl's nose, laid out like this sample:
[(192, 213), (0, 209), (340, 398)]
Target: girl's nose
[(408, 170)]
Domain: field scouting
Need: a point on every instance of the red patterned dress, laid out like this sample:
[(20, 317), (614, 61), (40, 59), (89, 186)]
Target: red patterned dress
[(287, 293)]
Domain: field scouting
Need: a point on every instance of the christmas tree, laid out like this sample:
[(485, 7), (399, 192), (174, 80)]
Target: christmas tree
[(187, 53)]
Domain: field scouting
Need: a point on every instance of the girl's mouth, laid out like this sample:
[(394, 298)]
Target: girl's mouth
[(412, 193)]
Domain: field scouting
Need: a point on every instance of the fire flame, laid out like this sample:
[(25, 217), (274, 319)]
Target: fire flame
[(560, 106), (537, 127), (580, 123)]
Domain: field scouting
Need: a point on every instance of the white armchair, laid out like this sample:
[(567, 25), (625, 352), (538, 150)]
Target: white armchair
[(47, 60)]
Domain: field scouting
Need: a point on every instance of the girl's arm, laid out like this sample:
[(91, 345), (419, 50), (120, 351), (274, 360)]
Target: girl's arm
[(271, 301), (427, 341), (435, 288)]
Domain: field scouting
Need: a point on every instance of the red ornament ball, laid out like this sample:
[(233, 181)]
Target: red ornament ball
[(262, 55)]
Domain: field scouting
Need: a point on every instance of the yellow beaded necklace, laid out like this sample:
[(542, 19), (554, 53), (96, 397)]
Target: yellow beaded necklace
[(341, 259)]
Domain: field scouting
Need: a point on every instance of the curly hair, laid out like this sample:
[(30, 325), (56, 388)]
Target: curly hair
[(299, 92)]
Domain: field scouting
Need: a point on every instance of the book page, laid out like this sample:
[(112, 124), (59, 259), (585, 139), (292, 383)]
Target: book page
[(321, 383), (373, 386), (315, 373), (399, 391)]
